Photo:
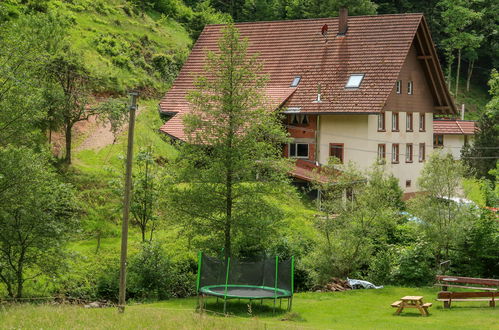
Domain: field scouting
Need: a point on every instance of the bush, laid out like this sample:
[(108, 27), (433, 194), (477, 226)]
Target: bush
[(382, 266), (150, 275), (414, 267), (478, 254)]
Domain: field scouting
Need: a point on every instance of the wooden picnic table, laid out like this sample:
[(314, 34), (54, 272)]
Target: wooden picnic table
[(412, 302)]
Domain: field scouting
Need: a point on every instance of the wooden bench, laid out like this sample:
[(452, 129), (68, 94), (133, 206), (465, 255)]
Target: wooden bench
[(485, 289)]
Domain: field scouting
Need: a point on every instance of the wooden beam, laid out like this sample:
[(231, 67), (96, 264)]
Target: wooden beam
[(436, 66), (445, 107), (425, 57), (427, 66)]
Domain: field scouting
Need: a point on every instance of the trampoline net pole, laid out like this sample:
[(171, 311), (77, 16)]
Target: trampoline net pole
[(226, 283), (275, 284), (292, 275), (200, 256)]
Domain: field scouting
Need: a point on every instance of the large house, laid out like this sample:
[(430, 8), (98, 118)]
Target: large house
[(359, 88)]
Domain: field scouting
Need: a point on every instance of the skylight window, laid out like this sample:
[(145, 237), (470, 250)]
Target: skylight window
[(296, 81), (354, 81)]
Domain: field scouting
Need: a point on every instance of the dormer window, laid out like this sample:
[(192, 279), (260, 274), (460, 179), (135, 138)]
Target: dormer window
[(354, 81), (295, 81)]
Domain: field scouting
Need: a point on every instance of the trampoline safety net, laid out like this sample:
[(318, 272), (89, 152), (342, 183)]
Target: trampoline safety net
[(244, 279)]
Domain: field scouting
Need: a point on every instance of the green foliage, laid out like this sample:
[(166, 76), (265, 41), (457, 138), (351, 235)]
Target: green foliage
[(415, 265), (481, 156), (354, 229), (443, 220), (477, 255), (232, 161), (37, 211)]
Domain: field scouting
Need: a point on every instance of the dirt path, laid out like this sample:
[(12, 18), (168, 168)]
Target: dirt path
[(99, 134)]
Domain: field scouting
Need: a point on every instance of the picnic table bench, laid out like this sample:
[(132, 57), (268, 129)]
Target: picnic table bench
[(486, 289), (412, 302)]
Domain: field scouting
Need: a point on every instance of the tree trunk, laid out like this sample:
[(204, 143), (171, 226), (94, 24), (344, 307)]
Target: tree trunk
[(449, 73), (20, 282), (458, 71), (228, 219), (471, 64), (68, 143), (143, 232)]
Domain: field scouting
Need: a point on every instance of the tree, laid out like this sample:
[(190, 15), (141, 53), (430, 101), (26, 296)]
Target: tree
[(69, 74), (232, 159), (442, 218), (481, 156), (145, 193), (359, 212), (36, 215), (457, 17), (27, 43)]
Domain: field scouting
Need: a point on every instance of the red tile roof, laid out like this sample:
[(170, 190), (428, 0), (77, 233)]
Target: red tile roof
[(452, 127), (375, 46)]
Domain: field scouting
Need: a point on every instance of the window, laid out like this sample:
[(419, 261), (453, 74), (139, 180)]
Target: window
[(336, 150), (422, 124), (395, 153), (381, 151), (408, 153), (298, 150), (398, 86), (354, 81), (296, 119), (395, 122), (407, 183), (421, 152), (410, 88), (408, 122), (438, 141), (295, 81), (381, 122)]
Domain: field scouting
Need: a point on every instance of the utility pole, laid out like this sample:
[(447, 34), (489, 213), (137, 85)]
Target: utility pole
[(126, 202)]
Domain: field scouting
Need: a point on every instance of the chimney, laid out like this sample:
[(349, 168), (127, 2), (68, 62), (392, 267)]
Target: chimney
[(343, 21)]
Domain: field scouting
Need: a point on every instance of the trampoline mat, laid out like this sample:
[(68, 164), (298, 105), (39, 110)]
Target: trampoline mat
[(245, 292)]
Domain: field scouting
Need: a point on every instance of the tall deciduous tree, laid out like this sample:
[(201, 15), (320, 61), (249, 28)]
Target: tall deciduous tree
[(483, 154), (36, 215), (442, 218), (232, 158), (458, 16)]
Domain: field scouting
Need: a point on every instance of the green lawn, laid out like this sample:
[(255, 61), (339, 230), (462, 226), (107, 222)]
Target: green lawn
[(363, 309)]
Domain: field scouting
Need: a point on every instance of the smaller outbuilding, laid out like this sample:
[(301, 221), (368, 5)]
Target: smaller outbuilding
[(453, 134)]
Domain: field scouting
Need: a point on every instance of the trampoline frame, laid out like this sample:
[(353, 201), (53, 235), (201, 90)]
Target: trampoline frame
[(280, 294)]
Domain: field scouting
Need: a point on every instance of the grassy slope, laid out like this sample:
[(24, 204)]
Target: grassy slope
[(117, 44), (369, 309)]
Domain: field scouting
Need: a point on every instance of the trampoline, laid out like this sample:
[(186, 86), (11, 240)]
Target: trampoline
[(257, 280)]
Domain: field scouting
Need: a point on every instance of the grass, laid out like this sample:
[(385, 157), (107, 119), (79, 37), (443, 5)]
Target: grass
[(359, 309)]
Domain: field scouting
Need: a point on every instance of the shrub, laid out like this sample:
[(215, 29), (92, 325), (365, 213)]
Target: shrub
[(415, 265)]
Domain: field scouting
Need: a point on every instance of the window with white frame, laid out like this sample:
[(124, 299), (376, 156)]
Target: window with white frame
[(298, 150), (422, 122), (422, 151), (395, 153), (410, 88), (398, 86), (395, 121), (408, 122), (381, 121), (408, 153), (381, 151)]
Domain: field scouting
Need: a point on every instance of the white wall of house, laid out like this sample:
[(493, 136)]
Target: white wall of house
[(454, 143), (360, 136)]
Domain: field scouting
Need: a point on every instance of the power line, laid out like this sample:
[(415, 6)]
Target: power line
[(373, 140)]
